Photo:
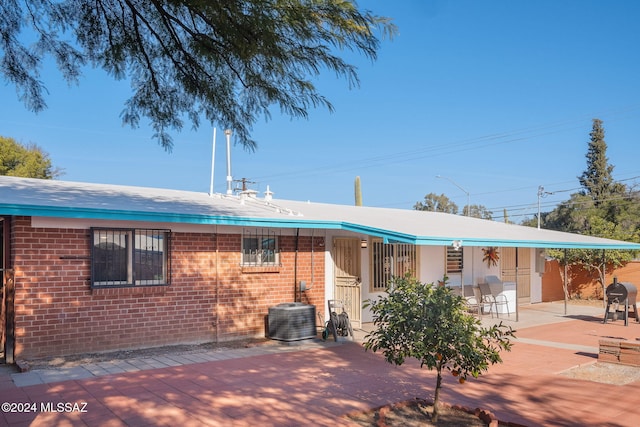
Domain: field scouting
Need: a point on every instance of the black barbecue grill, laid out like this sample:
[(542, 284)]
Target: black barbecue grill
[(621, 296)]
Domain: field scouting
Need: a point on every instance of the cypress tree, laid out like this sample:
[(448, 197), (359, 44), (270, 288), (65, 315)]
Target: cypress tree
[(596, 180)]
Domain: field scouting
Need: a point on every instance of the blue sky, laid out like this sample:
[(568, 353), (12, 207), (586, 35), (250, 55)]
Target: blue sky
[(496, 96)]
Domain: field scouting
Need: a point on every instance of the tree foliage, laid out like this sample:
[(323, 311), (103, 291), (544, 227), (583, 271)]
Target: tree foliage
[(230, 61), (603, 208), (437, 203), (597, 180), (431, 324), (27, 161), (598, 261), (477, 211), (441, 203)]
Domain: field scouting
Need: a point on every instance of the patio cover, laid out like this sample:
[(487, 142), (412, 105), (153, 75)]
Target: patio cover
[(65, 199)]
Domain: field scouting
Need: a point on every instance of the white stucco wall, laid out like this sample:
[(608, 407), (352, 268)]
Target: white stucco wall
[(431, 266)]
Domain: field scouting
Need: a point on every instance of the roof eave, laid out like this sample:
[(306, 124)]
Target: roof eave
[(297, 222)]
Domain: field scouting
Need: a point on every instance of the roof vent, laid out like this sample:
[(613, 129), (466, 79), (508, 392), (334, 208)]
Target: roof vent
[(268, 195), (246, 194)]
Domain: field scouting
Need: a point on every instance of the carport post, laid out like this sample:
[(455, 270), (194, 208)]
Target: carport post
[(517, 311), (604, 278), (564, 283)]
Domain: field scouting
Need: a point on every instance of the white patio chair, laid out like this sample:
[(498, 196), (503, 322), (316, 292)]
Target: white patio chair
[(472, 301), (488, 298)]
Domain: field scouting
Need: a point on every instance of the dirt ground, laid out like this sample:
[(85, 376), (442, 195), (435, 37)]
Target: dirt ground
[(88, 358), (413, 414), (607, 373)]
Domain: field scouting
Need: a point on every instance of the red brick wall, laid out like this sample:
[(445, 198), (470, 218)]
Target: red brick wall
[(210, 297), (246, 293)]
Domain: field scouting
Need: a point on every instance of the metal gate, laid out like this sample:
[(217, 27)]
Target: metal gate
[(7, 327), (346, 255)]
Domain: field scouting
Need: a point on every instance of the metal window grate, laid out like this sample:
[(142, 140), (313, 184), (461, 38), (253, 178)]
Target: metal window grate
[(150, 257), (389, 260), (128, 257), (110, 257), (260, 248)]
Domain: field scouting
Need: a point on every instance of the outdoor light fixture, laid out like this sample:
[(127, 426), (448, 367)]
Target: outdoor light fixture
[(457, 244)]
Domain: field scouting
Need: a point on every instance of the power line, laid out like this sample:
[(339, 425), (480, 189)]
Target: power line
[(444, 148), (546, 204), (514, 209), (568, 203)]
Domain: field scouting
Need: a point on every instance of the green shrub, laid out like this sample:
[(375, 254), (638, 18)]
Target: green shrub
[(431, 324)]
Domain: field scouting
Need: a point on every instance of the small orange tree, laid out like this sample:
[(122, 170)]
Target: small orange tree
[(431, 324)]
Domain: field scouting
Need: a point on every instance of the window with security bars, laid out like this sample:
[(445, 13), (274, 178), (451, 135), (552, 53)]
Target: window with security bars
[(454, 259), (129, 257), (260, 248), (389, 260)]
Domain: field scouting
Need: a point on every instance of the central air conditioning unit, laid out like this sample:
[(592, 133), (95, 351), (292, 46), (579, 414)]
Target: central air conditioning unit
[(293, 321)]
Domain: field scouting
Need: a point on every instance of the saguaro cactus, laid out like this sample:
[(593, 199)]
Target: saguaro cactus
[(358, 192)]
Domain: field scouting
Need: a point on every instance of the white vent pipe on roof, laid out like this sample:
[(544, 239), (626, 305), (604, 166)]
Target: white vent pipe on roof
[(268, 195), (229, 179)]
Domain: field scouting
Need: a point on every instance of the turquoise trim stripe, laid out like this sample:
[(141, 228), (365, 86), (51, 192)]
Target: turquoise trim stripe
[(291, 222), (426, 241), (123, 215)]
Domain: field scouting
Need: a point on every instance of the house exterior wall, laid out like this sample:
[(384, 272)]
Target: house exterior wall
[(537, 272), (211, 296), (432, 266)]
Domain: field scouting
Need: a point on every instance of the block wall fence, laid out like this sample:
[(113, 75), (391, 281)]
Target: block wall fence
[(583, 284), (211, 298)]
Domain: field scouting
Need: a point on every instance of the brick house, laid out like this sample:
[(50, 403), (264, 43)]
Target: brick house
[(90, 268)]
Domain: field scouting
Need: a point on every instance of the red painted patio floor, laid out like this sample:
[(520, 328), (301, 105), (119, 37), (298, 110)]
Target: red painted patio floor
[(318, 386)]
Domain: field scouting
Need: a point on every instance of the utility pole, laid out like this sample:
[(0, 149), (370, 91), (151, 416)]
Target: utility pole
[(244, 182), (541, 194)]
